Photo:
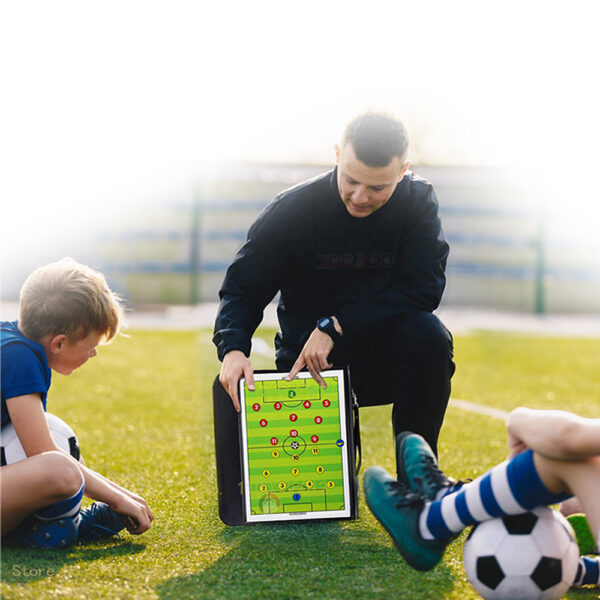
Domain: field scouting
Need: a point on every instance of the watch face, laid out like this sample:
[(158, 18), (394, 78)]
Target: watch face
[(325, 322)]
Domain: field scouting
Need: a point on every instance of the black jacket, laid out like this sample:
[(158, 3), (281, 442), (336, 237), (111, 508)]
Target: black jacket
[(324, 261)]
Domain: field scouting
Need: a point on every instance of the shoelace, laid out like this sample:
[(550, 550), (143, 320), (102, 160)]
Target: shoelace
[(433, 474), (404, 495), (93, 530), (95, 526)]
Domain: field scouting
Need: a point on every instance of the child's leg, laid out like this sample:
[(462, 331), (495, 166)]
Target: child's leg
[(570, 507), (36, 483), (510, 488), (582, 478)]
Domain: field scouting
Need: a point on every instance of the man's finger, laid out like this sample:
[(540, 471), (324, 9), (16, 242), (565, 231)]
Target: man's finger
[(314, 371), (249, 375), (296, 368), (324, 364), (233, 392)]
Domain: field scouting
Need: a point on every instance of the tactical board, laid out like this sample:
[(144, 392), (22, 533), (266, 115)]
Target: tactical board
[(296, 443)]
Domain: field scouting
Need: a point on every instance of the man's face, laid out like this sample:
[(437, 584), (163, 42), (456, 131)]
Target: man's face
[(365, 189)]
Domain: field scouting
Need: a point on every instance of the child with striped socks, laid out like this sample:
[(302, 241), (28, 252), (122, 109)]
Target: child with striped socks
[(553, 455)]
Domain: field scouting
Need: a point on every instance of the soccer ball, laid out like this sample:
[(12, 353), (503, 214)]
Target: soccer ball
[(526, 556), (63, 435)]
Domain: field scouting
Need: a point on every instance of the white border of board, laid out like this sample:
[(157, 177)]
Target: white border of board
[(295, 516)]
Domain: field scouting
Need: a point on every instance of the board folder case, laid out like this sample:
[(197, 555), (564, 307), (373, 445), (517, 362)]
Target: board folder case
[(299, 451)]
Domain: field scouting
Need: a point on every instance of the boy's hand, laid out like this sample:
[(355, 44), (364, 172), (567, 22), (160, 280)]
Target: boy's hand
[(137, 499), (136, 516)]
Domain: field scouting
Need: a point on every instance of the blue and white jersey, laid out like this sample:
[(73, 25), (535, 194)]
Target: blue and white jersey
[(23, 365)]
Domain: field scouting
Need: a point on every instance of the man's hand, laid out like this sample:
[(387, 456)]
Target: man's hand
[(236, 365), (315, 355)]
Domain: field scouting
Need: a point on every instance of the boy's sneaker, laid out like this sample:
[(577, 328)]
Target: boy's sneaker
[(36, 533), (398, 508), (97, 522), (417, 465)]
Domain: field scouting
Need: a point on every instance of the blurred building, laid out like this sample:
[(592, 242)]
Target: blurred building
[(504, 253)]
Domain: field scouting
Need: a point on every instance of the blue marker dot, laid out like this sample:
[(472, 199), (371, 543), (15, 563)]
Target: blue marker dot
[(340, 443), (296, 497)]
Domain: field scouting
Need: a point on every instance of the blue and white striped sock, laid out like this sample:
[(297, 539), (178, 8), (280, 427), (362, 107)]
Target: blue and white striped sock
[(449, 489), (588, 571), (63, 509), (510, 488)]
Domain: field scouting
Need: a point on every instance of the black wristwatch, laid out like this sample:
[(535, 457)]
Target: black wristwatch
[(326, 325)]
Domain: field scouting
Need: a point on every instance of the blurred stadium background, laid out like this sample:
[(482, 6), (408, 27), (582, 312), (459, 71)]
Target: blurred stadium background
[(508, 252), (149, 156)]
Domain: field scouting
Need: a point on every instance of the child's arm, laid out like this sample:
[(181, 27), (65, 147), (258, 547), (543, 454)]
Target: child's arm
[(28, 418), (553, 433), (124, 490), (122, 501)]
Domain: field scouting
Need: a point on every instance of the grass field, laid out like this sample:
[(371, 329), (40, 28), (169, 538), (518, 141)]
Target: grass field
[(142, 412)]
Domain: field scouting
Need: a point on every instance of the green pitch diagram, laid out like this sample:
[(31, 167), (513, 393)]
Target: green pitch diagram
[(295, 447)]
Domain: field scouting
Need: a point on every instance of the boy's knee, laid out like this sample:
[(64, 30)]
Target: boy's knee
[(61, 474)]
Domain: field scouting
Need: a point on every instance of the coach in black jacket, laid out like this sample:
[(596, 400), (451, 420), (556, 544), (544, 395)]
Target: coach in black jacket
[(358, 255)]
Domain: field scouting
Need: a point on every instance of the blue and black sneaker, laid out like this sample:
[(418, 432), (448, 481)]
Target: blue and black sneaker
[(97, 522), (417, 466), (398, 509), (37, 533)]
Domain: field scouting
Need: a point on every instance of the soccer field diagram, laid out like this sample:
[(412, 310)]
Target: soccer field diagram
[(295, 448)]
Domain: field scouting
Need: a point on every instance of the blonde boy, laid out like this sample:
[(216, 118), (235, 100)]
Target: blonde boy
[(66, 310)]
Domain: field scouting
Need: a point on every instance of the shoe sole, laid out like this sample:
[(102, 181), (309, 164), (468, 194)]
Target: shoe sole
[(31, 540)]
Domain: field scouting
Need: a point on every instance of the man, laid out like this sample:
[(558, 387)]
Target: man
[(358, 255)]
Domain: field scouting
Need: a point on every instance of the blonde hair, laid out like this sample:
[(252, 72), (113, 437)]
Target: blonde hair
[(68, 298)]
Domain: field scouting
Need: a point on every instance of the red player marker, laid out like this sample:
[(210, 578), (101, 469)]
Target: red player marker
[(263, 422), (274, 441), (277, 405), (256, 407), (318, 420), (293, 433), (293, 417), (314, 439), (307, 404), (326, 403)]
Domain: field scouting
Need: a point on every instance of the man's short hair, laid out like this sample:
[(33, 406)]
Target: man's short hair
[(68, 298), (376, 138)]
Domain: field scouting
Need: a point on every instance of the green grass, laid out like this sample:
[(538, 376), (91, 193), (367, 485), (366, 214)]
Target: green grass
[(142, 411)]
